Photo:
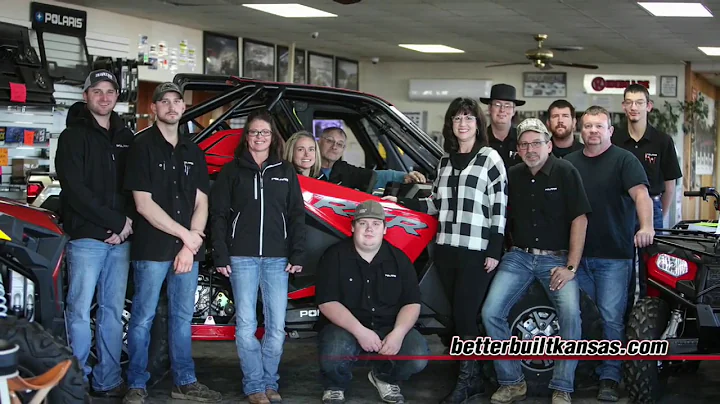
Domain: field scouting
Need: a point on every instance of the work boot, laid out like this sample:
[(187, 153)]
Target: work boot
[(117, 392), (135, 396), (608, 391), (273, 396), (510, 394), (561, 397), (389, 393), (258, 398), (196, 392), (469, 383)]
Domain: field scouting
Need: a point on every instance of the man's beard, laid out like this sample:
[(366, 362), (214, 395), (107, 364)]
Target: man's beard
[(565, 135), (169, 121)]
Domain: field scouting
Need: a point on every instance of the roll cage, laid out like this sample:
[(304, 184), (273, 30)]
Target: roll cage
[(371, 119)]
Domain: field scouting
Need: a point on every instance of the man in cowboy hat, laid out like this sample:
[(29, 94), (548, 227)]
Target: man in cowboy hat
[(502, 136)]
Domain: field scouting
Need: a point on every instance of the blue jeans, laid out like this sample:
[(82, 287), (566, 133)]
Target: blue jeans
[(336, 344), (658, 220), (97, 267), (606, 282), (516, 272), (259, 361), (148, 277)]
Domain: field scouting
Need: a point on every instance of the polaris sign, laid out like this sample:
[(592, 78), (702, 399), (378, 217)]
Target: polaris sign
[(59, 20)]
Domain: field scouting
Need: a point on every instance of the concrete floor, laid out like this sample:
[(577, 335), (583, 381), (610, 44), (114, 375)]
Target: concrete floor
[(217, 366)]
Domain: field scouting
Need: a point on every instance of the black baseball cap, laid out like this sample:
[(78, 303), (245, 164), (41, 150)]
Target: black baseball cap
[(165, 88), (96, 76)]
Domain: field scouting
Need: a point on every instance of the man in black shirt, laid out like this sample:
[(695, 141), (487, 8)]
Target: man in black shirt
[(617, 188), (502, 136), (655, 150), (561, 123), (547, 215), (169, 181), (369, 297)]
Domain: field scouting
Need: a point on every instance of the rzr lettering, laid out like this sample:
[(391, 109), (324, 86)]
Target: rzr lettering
[(346, 209)]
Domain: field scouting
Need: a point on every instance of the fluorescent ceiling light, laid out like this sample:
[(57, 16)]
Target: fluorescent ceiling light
[(676, 9), (710, 50), (431, 48), (290, 10)]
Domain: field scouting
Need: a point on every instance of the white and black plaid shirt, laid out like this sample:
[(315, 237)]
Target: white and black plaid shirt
[(471, 203)]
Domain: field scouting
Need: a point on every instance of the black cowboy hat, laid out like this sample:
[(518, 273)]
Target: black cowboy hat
[(504, 92)]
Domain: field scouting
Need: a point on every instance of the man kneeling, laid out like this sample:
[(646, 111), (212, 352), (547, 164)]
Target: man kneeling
[(369, 298)]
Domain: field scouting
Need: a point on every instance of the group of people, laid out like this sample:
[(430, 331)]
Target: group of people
[(514, 204)]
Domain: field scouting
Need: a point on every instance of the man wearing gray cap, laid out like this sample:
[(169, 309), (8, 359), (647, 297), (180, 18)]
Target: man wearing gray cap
[(369, 298), (547, 218), (169, 182), (95, 211)]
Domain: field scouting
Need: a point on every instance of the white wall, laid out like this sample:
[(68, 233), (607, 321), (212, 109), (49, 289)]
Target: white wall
[(118, 25), (391, 80)]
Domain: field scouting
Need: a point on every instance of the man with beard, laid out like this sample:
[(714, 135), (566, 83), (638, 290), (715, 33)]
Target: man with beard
[(502, 136), (95, 211), (547, 215), (169, 182), (654, 149), (561, 122)]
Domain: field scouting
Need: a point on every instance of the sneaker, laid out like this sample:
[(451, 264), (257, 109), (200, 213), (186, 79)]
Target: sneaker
[(608, 391), (561, 397), (117, 392), (509, 394), (196, 392), (389, 393), (273, 396), (135, 396), (333, 397)]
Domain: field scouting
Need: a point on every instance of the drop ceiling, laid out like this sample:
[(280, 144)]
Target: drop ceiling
[(610, 31)]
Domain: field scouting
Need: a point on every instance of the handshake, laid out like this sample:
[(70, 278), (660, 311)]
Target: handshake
[(124, 234)]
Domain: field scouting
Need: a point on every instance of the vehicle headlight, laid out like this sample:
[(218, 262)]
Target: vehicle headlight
[(671, 265)]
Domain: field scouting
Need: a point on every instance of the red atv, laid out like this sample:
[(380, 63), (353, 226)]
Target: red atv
[(380, 137)]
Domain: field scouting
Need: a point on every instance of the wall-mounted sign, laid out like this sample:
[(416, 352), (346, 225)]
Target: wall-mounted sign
[(59, 20), (616, 84)]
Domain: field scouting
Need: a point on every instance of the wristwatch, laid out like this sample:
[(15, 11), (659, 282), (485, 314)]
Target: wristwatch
[(571, 268)]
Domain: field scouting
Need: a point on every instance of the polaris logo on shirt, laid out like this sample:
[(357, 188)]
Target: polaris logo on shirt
[(122, 146), (551, 189), (59, 20), (390, 276), (279, 179)]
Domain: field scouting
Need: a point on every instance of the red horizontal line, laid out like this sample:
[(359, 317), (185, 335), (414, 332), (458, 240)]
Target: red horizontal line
[(528, 357)]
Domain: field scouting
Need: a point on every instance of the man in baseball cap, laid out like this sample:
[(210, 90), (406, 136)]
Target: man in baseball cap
[(369, 298), (165, 88), (98, 76)]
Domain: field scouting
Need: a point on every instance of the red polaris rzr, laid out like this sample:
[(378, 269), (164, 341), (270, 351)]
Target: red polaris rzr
[(383, 138)]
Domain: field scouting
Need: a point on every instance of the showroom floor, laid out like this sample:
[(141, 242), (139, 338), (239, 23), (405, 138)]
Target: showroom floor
[(217, 366)]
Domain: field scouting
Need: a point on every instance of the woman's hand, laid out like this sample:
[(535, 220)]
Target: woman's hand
[(225, 270), (293, 268), (490, 264), (390, 198)]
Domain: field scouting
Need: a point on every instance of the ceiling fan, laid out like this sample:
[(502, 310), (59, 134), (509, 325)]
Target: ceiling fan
[(542, 58)]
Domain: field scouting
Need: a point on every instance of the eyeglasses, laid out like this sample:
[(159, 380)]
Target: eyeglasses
[(332, 141), (639, 103), (501, 106), (535, 145), (466, 118), (257, 133)]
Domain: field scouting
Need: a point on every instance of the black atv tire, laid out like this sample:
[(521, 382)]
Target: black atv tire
[(644, 382), (39, 352), (538, 376)]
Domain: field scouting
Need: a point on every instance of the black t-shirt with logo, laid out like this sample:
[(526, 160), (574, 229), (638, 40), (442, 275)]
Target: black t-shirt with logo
[(506, 148)]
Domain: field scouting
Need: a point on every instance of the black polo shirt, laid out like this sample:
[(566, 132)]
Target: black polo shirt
[(541, 208), (507, 148), (561, 152), (373, 292), (172, 175), (656, 152)]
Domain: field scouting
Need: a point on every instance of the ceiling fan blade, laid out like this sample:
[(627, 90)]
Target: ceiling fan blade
[(508, 64), (578, 65)]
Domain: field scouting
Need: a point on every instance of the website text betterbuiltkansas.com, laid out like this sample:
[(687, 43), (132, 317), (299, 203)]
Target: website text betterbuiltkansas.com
[(555, 346)]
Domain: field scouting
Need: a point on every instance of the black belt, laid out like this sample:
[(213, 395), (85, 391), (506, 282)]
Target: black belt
[(537, 251)]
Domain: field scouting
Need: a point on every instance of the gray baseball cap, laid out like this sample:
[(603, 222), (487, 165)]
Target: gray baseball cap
[(532, 124), (97, 76), (165, 88), (369, 210)]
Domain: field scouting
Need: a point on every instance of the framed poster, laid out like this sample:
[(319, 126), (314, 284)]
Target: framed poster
[(283, 54), (258, 60), (347, 74), (543, 84), (320, 69), (668, 86), (220, 54)]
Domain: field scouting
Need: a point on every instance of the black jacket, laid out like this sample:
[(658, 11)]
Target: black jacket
[(257, 213), (348, 175), (90, 164)]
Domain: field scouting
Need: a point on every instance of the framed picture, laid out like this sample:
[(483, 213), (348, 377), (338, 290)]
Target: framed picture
[(543, 84), (668, 86), (221, 54), (320, 69), (283, 54), (258, 60), (347, 74)]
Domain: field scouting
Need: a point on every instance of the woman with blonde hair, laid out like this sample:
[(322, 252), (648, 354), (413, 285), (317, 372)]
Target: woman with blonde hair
[(303, 152)]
